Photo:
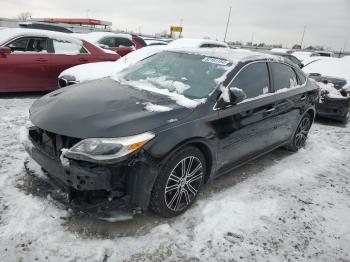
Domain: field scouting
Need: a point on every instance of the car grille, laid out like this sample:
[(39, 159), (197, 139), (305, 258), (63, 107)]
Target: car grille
[(49, 142)]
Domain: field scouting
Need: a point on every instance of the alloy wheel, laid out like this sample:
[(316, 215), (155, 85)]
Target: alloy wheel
[(183, 183), (302, 132)]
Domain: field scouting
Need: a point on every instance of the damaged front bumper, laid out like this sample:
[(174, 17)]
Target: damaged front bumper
[(92, 188)]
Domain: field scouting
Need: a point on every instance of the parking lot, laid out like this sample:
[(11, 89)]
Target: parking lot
[(283, 206)]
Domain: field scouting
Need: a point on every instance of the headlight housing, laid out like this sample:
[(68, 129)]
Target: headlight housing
[(107, 149)]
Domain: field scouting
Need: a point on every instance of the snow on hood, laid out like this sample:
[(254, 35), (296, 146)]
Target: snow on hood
[(329, 90), (103, 108), (333, 67), (10, 33)]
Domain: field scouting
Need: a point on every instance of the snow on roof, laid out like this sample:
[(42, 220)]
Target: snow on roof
[(194, 42), (280, 50), (94, 37), (9, 33), (233, 55), (333, 67)]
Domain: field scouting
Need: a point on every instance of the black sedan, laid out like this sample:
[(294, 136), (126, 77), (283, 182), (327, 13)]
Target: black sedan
[(151, 136)]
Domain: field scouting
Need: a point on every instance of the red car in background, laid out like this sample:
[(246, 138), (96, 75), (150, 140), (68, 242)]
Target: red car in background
[(118, 42), (31, 60)]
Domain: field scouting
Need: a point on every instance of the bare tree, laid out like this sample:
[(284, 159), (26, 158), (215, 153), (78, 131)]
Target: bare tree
[(24, 16)]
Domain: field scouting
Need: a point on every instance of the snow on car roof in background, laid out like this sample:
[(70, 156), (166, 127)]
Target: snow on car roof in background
[(194, 42), (334, 67), (10, 33), (94, 37)]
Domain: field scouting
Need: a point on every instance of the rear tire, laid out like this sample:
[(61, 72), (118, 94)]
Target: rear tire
[(178, 182), (301, 133)]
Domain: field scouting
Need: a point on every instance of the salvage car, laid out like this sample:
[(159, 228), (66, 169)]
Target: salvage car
[(152, 135), (119, 42), (333, 77), (91, 71), (31, 60)]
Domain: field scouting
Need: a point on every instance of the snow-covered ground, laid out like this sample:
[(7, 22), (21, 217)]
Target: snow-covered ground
[(281, 207)]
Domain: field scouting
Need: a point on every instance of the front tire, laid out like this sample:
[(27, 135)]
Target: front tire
[(301, 133), (346, 118), (178, 182)]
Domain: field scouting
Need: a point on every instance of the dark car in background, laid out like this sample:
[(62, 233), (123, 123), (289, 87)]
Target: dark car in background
[(31, 60), (151, 136), (333, 77)]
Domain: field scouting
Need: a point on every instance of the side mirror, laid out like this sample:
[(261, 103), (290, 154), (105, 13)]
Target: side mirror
[(4, 50), (236, 95)]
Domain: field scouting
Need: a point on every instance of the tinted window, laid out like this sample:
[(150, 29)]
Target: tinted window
[(108, 41), (119, 41), (283, 76), (29, 44), (301, 77), (253, 80)]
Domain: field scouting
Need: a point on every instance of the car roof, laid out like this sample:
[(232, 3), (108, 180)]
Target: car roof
[(232, 55), (10, 33), (194, 42), (94, 37)]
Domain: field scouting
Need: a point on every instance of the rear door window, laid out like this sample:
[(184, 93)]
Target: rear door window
[(253, 80), (283, 76), (108, 41), (123, 42)]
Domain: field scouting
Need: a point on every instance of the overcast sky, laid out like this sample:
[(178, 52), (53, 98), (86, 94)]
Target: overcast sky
[(271, 21)]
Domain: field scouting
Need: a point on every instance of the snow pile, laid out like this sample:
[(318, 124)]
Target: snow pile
[(156, 108)]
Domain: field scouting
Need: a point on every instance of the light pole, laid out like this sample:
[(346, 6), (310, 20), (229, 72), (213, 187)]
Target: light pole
[(228, 21), (302, 38), (181, 27)]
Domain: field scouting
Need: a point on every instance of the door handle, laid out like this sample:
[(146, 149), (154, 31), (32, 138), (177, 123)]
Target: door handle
[(41, 60), (83, 60), (303, 97), (270, 110)]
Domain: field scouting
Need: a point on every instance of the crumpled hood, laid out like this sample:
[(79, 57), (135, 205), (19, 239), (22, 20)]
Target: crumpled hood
[(102, 108)]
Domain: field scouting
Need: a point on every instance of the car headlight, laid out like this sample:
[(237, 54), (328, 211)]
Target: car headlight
[(102, 149)]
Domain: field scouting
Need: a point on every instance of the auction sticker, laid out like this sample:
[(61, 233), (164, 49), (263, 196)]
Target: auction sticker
[(215, 60)]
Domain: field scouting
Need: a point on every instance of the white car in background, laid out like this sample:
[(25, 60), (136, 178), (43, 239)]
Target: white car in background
[(302, 55), (86, 72)]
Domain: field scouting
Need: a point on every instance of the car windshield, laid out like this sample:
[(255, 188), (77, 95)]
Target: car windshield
[(194, 76)]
